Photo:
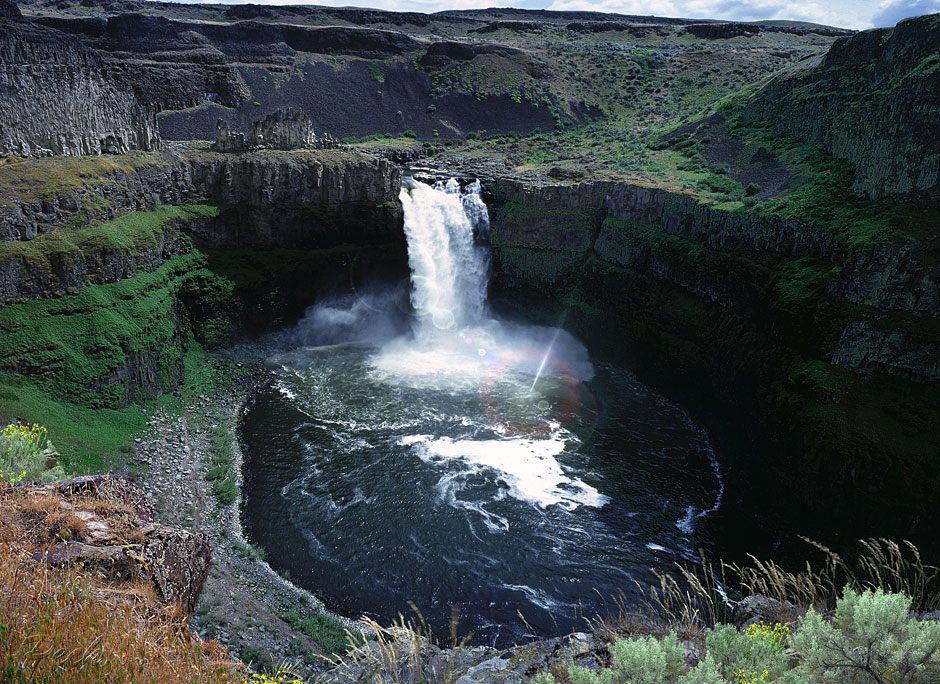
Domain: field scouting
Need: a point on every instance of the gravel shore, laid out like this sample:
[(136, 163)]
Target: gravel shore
[(243, 600)]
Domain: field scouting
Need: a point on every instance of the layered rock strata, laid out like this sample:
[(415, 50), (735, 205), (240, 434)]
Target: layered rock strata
[(874, 100), (57, 98)]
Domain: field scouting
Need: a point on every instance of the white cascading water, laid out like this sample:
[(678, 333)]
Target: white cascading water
[(448, 268)]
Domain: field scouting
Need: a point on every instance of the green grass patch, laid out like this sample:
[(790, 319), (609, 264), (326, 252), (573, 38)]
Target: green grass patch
[(249, 550), (81, 344), (131, 232), (222, 475), (325, 629), (91, 440), (226, 491)]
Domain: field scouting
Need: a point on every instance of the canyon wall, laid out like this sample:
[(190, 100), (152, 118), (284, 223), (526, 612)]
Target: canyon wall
[(814, 364), (109, 271), (874, 100), (58, 98)]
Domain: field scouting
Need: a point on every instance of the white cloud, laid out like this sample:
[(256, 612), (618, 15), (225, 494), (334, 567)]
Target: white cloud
[(856, 14), (843, 13), (892, 11)]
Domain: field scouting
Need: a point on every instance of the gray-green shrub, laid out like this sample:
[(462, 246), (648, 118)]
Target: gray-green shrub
[(872, 638), (638, 661)]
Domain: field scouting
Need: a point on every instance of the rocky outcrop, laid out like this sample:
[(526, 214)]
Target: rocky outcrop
[(56, 98), (179, 563), (113, 543), (874, 100), (285, 129), (441, 54), (321, 179), (447, 53), (132, 33), (722, 31), (518, 26), (635, 30), (806, 29)]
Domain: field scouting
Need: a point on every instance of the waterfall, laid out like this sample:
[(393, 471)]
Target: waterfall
[(445, 226), (455, 340)]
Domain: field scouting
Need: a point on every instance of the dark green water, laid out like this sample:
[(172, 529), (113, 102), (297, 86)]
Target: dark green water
[(382, 477)]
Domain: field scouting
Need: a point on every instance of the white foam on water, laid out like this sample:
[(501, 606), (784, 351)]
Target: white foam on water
[(537, 596), (527, 467), (433, 367)]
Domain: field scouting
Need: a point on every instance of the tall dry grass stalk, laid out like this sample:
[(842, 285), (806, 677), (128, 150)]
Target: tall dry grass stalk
[(404, 653), (70, 626), (700, 595)]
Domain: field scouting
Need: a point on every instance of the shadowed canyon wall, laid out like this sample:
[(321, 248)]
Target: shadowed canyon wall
[(816, 366)]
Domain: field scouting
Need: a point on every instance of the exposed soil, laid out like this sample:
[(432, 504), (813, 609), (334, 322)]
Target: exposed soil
[(745, 163)]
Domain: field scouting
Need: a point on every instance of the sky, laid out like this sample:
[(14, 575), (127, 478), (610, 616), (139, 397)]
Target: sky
[(855, 14)]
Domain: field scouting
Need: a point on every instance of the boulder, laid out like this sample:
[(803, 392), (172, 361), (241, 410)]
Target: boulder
[(759, 608), (178, 562)]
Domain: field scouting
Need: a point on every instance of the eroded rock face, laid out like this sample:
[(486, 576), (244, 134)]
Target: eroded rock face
[(176, 561), (56, 98), (285, 129), (179, 563), (890, 133)]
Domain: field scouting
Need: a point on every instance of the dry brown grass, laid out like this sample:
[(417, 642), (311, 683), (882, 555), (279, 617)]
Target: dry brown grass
[(68, 626), (404, 653), (43, 517), (698, 596), (64, 525)]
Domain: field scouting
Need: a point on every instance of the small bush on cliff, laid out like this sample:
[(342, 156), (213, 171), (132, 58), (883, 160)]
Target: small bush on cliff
[(640, 661), (871, 639), (23, 452)]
